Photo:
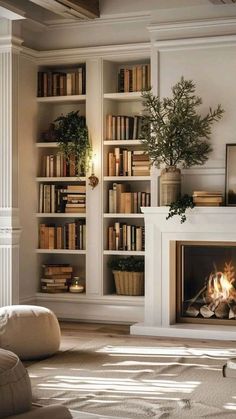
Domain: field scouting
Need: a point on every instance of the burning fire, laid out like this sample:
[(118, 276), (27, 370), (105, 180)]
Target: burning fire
[(219, 287)]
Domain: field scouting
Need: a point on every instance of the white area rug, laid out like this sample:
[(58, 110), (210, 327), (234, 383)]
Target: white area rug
[(137, 378)]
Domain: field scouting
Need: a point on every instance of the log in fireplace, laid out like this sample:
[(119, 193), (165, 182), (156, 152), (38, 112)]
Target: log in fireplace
[(206, 282)]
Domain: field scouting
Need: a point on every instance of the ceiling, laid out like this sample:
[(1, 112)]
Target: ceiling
[(48, 12)]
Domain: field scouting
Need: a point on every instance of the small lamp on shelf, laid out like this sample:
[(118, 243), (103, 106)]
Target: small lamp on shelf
[(93, 180)]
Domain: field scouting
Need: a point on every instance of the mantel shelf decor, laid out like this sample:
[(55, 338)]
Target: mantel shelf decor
[(174, 134)]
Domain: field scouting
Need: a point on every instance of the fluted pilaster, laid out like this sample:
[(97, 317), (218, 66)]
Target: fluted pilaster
[(9, 221)]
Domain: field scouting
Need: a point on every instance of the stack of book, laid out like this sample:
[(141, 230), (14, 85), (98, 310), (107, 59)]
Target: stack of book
[(61, 198), (207, 199), (75, 198), (56, 278), (56, 165), (134, 78), (123, 162), (119, 127), (125, 237), (121, 200), (70, 236), (52, 83)]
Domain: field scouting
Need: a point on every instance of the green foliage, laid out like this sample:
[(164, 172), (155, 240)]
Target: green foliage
[(172, 130), (130, 264), (73, 139), (179, 207)]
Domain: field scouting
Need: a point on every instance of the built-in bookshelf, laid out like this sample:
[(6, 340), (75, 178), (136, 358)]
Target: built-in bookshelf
[(126, 167), (61, 204), (114, 120)]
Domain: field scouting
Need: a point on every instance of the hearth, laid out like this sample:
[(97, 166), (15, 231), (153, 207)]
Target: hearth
[(205, 282)]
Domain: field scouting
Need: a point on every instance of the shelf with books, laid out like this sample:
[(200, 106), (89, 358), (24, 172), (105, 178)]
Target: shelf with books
[(123, 96), (60, 215), (119, 215), (124, 252), (62, 99), (60, 179), (61, 251)]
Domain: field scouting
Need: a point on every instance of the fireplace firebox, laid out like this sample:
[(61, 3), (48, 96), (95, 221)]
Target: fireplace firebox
[(206, 282)]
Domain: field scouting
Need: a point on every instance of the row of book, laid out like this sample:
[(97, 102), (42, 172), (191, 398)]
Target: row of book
[(70, 236), (62, 83), (123, 162), (119, 127), (122, 236), (134, 78), (62, 199), (207, 199), (56, 165), (56, 278), (121, 200)]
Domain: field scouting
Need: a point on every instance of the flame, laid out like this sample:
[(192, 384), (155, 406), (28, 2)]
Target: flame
[(219, 287)]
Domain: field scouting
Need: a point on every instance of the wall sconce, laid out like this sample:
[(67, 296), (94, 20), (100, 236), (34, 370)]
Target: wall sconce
[(93, 180)]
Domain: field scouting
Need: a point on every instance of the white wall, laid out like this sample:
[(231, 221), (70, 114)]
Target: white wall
[(27, 173), (213, 70)]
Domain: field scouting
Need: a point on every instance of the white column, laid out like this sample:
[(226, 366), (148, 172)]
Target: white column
[(9, 218)]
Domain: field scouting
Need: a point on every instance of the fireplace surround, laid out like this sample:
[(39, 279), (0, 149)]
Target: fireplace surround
[(205, 226)]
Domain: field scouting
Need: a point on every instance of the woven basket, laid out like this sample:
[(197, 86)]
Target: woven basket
[(170, 185), (129, 283)]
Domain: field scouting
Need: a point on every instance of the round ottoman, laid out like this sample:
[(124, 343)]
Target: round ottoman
[(15, 388), (29, 331)]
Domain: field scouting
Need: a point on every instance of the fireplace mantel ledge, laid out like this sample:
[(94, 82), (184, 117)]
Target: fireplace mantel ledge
[(194, 211)]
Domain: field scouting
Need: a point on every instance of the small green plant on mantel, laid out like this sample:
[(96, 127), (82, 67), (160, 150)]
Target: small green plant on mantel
[(175, 135), (72, 136), (128, 264)]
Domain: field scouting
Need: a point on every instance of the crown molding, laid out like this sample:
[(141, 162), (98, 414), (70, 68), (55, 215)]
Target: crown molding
[(9, 43), (74, 55), (195, 43), (108, 20), (192, 28)]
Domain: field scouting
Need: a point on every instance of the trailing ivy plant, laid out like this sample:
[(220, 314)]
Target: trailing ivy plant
[(72, 136), (180, 206), (130, 264)]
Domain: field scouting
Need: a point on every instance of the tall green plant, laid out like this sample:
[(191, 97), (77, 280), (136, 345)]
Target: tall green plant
[(73, 139), (172, 131)]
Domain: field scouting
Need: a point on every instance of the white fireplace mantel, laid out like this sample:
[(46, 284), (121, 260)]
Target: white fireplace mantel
[(203, 224)]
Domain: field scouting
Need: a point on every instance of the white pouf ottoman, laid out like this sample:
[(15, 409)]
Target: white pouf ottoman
[(29, 331), (15, 388)]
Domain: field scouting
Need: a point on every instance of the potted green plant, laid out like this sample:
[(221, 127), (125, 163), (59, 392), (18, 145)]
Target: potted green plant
[(128, 274), (176, 135), (72, 136)]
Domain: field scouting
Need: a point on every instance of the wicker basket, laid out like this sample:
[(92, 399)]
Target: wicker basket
[(129, 283)]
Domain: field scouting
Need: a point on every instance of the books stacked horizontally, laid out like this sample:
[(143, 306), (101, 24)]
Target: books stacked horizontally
[(56, 278), (134, 78), (207, 198), (140, 164), (75, 198), (62, 83)]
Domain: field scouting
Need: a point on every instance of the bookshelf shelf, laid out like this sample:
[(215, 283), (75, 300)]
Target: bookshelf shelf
[(125, 178), (122, 142), (45, 144), (61, 251), (124, 252), (113, 215), (60, 215), (129, 96), (62, 99), (61, 179)]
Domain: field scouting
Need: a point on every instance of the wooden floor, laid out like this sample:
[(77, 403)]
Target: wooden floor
[(93, 329)]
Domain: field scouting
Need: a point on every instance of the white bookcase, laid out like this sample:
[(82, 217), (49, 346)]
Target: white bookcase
[(99, 302)]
